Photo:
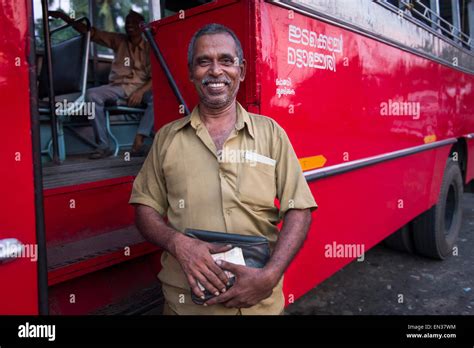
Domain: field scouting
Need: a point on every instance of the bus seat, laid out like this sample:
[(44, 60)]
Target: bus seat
[(120, 107)]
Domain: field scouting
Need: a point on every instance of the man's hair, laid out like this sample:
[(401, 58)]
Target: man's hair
[(133, 13), (211, 29)]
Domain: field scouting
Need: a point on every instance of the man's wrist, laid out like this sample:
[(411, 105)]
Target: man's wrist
[(271, 275), (173, 242)]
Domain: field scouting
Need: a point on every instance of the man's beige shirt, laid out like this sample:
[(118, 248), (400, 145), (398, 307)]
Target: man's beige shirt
[(185, 179), (131, 66)]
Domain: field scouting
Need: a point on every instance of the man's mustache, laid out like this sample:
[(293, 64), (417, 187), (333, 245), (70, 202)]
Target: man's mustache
[(207, 80)]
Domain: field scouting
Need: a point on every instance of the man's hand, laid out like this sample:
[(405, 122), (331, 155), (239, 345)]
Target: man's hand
[(197, 263), (80, 27), (251, 286), (136, 98), (60, 15)]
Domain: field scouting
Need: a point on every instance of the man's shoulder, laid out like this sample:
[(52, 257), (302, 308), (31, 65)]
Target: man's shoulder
[(173, 126), (262, 122), (165, 135)]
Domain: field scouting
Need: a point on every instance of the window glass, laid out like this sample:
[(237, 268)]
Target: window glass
[(421, 9), (171, 7), (465, 20), (446, 12), (73, 8), (109, 15)]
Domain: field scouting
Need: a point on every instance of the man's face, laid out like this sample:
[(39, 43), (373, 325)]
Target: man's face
[(132, 25), (216, 72)]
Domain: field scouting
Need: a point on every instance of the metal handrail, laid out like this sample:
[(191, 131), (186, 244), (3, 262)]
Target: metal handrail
[(78, 104), (432, 18), (49, 65), (159, 56)]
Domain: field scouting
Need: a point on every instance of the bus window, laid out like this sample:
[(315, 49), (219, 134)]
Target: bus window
[(74, 8), (110, 15), (107, 15), (170, 7), (449, 18)]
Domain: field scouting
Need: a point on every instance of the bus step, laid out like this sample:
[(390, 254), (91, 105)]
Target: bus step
[(75, 259)]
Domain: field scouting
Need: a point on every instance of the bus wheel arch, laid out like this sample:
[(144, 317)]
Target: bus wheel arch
[(401, 240), (459, 154)]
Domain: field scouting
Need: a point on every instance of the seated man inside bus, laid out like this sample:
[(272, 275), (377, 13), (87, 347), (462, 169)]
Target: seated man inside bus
[(129, 80)]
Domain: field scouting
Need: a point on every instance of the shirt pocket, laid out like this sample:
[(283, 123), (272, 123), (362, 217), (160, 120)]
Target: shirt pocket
[(256, 184)]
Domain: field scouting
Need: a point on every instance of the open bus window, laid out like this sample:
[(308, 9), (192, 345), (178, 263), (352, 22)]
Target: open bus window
[(456, 13), (171, 7), (106, 15), (448, 17), (74, 8), (110, 15)]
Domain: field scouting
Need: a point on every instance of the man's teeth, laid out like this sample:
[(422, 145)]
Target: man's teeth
[(216, 85)]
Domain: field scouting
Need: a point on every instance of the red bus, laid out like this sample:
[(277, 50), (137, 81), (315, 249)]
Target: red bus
[(376, 97)]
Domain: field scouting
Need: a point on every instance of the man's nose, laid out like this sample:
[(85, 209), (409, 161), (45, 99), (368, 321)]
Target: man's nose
[(215, 69)]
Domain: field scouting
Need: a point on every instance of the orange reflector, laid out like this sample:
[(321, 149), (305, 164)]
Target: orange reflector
[(430, 138), (312, 162)]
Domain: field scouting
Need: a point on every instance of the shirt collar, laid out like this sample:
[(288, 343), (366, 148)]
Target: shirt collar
[(243, 119)]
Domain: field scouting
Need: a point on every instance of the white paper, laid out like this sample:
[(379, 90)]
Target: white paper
[(256, 157), (234, 255)]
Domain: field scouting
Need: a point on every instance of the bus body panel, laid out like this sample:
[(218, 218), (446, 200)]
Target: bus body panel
[(344, 109), (19, 289), (81, 211)]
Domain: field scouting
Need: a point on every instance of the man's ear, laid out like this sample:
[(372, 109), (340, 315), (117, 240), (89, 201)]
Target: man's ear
[(243, 70)]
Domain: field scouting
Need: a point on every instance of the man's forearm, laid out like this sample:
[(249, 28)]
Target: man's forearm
[(80, 27), (154, 229), (291, 237)]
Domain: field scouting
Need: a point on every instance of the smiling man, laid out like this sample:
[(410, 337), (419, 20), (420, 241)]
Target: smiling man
[(185, 179)]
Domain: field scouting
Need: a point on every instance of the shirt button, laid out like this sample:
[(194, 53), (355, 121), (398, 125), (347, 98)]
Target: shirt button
[(228, 211)]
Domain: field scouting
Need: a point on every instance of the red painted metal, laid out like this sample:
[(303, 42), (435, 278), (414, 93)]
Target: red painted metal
[(98, 262), (19, 290), (337, 115), (94, 291), (80, 211)]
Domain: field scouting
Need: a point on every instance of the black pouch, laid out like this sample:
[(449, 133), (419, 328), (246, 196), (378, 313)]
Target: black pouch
[(255, 249)]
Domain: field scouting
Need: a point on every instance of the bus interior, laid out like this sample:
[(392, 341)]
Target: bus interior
[(72, 74)]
